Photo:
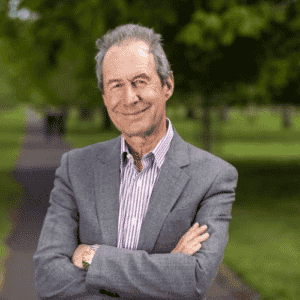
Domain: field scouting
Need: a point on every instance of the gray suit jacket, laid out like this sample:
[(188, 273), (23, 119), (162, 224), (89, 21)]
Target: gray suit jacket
[(193, 186)]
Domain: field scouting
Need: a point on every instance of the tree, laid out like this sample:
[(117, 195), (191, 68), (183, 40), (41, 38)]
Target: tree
[(216, 48), (281, 71), (62, 38), (226, 52)]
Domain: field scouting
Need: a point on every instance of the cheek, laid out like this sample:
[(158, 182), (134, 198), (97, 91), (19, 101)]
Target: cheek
[(151, 94), (110, 102)]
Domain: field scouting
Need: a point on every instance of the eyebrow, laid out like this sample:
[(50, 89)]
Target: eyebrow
[(142, 75)]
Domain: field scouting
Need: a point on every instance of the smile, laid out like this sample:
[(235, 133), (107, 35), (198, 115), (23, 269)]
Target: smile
[(136, 113)]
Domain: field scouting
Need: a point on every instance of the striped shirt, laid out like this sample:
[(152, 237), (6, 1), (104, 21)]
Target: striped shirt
[(136, 189)]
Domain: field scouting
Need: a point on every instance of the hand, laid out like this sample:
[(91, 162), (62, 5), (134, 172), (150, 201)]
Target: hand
[(82, 252), (190, 243)]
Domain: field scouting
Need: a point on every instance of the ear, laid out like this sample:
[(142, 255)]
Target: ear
[(169, 87)]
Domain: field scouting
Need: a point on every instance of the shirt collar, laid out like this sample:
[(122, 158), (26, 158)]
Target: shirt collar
[(159, 151)]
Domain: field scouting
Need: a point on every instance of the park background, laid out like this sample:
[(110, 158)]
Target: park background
[(236, 68)]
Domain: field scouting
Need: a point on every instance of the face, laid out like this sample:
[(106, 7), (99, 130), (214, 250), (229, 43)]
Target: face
[(133, 95)]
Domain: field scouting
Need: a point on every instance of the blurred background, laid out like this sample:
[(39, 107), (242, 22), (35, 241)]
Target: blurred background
[(236, 66)]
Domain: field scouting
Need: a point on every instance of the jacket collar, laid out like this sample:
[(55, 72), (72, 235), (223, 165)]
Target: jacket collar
[(110, 152)]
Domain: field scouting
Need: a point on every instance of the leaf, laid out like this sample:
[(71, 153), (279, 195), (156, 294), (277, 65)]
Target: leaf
[(228, 37), (37, 96), (279, 15), (63, 85), (4, 5), (295, 24), (213, 21), (190, 34), (200, 16), (30, 4), (264, 10), (246, 20), (217, 5)]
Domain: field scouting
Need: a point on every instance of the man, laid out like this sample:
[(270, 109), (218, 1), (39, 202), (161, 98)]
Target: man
[(121, 212)]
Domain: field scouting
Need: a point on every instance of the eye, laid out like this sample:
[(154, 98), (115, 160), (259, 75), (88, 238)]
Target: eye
[(117, 85), (139, 83)]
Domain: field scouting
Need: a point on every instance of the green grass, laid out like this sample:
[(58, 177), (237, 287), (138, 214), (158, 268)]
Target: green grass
[(264, 246), (12, 133), (10, 196), (83, 133)]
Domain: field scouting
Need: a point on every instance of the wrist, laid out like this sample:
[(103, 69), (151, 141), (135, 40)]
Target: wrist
[(87, 262)]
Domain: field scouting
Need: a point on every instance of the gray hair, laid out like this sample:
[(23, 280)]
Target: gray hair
[(135, 32)]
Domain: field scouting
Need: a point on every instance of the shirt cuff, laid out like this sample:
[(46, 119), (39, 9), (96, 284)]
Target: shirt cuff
[(94, 247)]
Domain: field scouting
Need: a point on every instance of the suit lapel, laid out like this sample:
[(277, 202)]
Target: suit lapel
[(168, 187), (107, 186)]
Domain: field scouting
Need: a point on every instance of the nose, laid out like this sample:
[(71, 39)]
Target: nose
[(130, 96)]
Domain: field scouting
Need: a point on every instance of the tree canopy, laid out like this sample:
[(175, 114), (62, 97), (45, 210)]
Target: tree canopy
[(247, 50), (232, 52)]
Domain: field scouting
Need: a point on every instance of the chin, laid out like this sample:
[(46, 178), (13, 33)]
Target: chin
[(140, 131)]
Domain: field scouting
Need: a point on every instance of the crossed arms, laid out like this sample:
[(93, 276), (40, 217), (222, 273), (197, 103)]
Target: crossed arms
[(189, 244), (131, 273)]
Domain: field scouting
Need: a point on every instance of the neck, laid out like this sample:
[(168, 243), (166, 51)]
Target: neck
[(139, 146)]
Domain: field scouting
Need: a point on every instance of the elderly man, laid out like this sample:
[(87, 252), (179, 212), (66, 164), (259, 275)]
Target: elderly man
[(124, 217)]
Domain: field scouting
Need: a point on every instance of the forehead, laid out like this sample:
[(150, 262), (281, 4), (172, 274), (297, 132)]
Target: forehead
[(127, 59)]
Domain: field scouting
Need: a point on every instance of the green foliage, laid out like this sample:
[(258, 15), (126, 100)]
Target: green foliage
[(224, 25), (52, 57), (190, 34), (217, 5), (244, 19), (12, 129)]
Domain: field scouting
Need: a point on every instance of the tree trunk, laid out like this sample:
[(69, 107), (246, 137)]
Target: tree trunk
[(286, 116), (85, 113), (206, 128), (107, 124), (223, 113), (55, 123), (191, 114), (251, 112), (62, 123)]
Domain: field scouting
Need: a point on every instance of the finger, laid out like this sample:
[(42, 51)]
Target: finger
[(194, 228), (201, 230), (196, 248), (191, 230), (196, 232), (203, 237)]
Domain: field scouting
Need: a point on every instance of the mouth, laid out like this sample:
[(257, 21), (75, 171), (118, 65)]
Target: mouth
[(136, 113)]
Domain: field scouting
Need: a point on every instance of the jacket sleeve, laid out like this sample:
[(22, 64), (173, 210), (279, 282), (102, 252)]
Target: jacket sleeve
[(55, 276), (135, 274)]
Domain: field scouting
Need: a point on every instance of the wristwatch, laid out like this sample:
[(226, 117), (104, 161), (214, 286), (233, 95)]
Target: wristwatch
[(86, 264)]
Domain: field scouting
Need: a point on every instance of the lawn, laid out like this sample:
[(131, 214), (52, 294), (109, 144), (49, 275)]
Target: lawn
[(264, 247), (240, 138)]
